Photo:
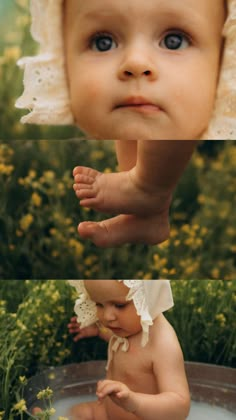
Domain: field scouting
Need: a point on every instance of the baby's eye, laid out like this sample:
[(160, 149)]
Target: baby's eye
[(175, 41), (120, 305), (99, 305), (103, 43)]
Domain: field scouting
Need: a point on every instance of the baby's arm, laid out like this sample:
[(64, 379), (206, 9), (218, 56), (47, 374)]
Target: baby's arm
[(164, 406)]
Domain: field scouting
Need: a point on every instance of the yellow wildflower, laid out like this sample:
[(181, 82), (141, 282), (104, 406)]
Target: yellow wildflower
[(45, 394), (2, 415), (215, 273), (22, 3), (77, 246), (36, 199), (23, 20), (20, 407), (20, 324), (201, 199), (26, 221), (231, 231), (51, 411), (49, 176), (6, 169), (23, 380), (198, 162), (55, 254), (12, 53), (32, 174), (221, 319), (147, 276)]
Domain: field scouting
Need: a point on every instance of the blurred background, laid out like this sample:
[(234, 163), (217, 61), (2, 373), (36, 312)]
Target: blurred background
[(15, 42)]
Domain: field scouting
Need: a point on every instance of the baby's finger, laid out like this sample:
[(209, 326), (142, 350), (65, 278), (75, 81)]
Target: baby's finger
[(73, 320), (108, 388), (73, 328), (78, 337)]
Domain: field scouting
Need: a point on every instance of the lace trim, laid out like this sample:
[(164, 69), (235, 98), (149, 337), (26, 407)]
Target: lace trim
[(46, 93), (84, 308), (223, 123)]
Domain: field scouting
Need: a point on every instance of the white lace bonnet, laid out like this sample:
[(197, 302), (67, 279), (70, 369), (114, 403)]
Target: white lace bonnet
[(150, 297), (46, 93)]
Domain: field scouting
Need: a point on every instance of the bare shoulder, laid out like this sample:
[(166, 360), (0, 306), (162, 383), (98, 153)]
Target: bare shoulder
[(164, 342), (167, 358), (162, 332)]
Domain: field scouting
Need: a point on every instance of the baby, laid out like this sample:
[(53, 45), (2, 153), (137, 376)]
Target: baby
[(134, 71), (145, 371)]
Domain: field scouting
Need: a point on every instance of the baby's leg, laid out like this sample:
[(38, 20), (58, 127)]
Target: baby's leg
[(126, 153), (88, 411), (127, 228), (143, 190)]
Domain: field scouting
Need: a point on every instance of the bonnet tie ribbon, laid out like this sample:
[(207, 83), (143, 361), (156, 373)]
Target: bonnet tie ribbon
[(114, 344)]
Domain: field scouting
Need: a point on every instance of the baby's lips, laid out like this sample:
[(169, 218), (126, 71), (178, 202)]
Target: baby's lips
[(136, 101)]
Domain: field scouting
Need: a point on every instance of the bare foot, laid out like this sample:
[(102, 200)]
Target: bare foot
[(118, 193), (127, 229)]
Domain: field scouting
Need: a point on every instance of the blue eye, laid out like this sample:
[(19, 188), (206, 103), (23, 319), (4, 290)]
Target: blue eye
[(103, 43), (175, 41)]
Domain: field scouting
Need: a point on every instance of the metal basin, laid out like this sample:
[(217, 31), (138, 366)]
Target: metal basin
[(214, 385)]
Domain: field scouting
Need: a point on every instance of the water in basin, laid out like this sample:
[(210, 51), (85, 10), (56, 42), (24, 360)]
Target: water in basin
[(199, 410)]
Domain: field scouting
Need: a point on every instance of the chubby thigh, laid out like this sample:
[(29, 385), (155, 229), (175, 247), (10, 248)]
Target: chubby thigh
[(93, 410)]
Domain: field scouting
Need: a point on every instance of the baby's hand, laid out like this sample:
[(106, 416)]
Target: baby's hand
[(74, 328), (118, 392)]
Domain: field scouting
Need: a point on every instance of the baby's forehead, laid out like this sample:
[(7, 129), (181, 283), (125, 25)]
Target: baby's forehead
[(106, 290), (90, 8)]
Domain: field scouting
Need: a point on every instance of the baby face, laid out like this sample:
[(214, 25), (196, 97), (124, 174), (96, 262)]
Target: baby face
[(143, 70), (113, 310)]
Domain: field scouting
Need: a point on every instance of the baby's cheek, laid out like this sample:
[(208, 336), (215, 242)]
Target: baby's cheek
[(94, 91), (90, 84)]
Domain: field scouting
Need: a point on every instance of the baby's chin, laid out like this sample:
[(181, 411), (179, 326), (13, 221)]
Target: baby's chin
[(135, 132)]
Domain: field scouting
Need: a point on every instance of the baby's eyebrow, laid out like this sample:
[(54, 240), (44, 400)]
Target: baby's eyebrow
[(94, 15)]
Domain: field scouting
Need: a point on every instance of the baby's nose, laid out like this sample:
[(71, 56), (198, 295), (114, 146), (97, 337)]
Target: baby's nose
[(109, 314), (137, 64)]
